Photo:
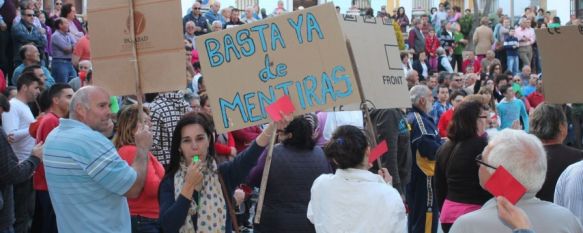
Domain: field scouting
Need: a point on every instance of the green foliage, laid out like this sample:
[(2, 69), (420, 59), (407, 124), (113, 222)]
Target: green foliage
[(399, 35), (466, 24)]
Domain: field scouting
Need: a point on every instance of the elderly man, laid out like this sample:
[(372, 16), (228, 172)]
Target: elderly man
[(425, 141), (30, 56), (25, 32), (526, 38), (84, 67), (523, 155), (87, 180), (412, 78), (200, 22), (549, 123), (214, 15)]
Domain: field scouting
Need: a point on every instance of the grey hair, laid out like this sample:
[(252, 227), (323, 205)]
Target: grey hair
[(418, 92), (217, 22), (81, 97), (190, 23), (546, 121), (522, 154), (440, 51), (521, 20)]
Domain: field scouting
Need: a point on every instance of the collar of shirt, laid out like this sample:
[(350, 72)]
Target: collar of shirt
[(359, 175)]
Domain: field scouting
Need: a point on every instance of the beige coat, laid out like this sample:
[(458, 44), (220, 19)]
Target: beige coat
[(483, 39)]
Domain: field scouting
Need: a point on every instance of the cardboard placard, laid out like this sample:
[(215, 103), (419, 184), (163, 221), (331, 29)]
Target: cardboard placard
[(559, 52), (160, 45), (301, 54), (376, 55)]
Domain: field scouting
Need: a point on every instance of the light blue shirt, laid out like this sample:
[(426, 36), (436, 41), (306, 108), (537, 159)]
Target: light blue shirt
[(18, 71), (1, 5), (212, 17), (569, 189), (87, 180)]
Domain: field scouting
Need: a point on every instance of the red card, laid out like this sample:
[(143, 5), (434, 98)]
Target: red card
[(283, 104), (502, 183), (379, 150)]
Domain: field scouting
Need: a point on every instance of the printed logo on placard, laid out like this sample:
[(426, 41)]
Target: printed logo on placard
[(139, 23)]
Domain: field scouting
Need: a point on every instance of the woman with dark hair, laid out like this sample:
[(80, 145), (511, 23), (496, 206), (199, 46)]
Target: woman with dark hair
[(352, 199), (494, 70), (196, 192), (457, 185), (295, 164), (68, 11), (144, 209), (402, 19)]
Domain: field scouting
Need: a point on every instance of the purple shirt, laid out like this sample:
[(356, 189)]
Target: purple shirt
[(61, 41)]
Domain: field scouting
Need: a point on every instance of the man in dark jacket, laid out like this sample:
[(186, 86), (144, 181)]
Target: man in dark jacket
[(391, 125), (7, 15), (13, 172), (416, 39), (24, 32), (201, 23), (549, 124)]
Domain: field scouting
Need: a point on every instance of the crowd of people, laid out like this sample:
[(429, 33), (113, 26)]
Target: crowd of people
[(75, 159)]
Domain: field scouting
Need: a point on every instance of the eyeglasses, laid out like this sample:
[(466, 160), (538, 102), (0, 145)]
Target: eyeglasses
[(196, 8), (58, 3), (29, 15), (480, 162)]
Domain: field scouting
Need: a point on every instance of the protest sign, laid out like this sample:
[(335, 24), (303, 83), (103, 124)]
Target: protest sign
[(376, 56), (160, 48), (559, 51), (301, 54)]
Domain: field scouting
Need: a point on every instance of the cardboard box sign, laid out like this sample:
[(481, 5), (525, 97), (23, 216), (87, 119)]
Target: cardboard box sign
[(560, 49), (160, 47), (377, 57), (301, 54)]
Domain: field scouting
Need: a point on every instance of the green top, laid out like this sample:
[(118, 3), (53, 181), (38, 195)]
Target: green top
[(459, 49), (114, 104)]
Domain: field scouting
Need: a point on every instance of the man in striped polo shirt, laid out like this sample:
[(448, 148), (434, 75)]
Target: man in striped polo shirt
[(87, 180)]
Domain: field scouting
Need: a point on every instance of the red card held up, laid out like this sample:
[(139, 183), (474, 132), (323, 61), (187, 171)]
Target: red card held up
[(379, 150), (502, 183), (283, 104)]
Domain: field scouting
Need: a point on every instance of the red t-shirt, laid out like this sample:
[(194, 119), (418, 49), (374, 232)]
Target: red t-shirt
[(444, 122), (145, 205), (82, 49), (535, 99), (46, 124)]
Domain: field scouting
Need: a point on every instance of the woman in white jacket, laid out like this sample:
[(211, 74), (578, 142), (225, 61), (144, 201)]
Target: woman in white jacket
[(354, 199)]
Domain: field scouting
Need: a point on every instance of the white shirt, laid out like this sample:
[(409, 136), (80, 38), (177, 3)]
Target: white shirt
[(569, 189), (355, 201), (16, 122)]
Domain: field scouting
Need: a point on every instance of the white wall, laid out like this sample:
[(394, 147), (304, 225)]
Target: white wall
[(562, 8)]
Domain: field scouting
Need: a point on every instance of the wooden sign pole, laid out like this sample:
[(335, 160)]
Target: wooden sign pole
[(370, 129), (264, 177), (136, 64)]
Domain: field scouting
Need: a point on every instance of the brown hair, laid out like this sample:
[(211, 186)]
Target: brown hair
[(127, 121)]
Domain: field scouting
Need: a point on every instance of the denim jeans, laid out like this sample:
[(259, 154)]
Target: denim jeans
[(62, 70), (145, 225), (512, 63)]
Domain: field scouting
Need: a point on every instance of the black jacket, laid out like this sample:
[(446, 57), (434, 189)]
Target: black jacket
[(419, 68)]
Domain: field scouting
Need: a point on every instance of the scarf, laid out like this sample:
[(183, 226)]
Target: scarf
[(210, 207)]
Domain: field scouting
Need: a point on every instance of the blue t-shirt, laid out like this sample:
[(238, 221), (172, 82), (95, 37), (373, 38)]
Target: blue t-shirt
[(87, 180)]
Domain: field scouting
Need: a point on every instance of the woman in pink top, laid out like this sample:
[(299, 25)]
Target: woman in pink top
[(144, 209)]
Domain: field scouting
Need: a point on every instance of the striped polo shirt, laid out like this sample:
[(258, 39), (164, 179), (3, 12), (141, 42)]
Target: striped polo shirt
[(87, 180)]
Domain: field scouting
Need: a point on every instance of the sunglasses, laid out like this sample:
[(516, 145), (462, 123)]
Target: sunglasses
[(196, 8), (29, 15), (480, 162)]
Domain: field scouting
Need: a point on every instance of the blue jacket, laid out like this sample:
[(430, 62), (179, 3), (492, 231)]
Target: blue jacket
[(18, 71), (200, 21), (23, 34), (173, 211), (425, 141)]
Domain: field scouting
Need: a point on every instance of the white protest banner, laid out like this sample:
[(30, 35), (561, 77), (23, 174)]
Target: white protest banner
[(376, 56)]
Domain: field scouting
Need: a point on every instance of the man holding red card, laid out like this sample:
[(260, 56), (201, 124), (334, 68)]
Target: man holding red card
[(514, 165)]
